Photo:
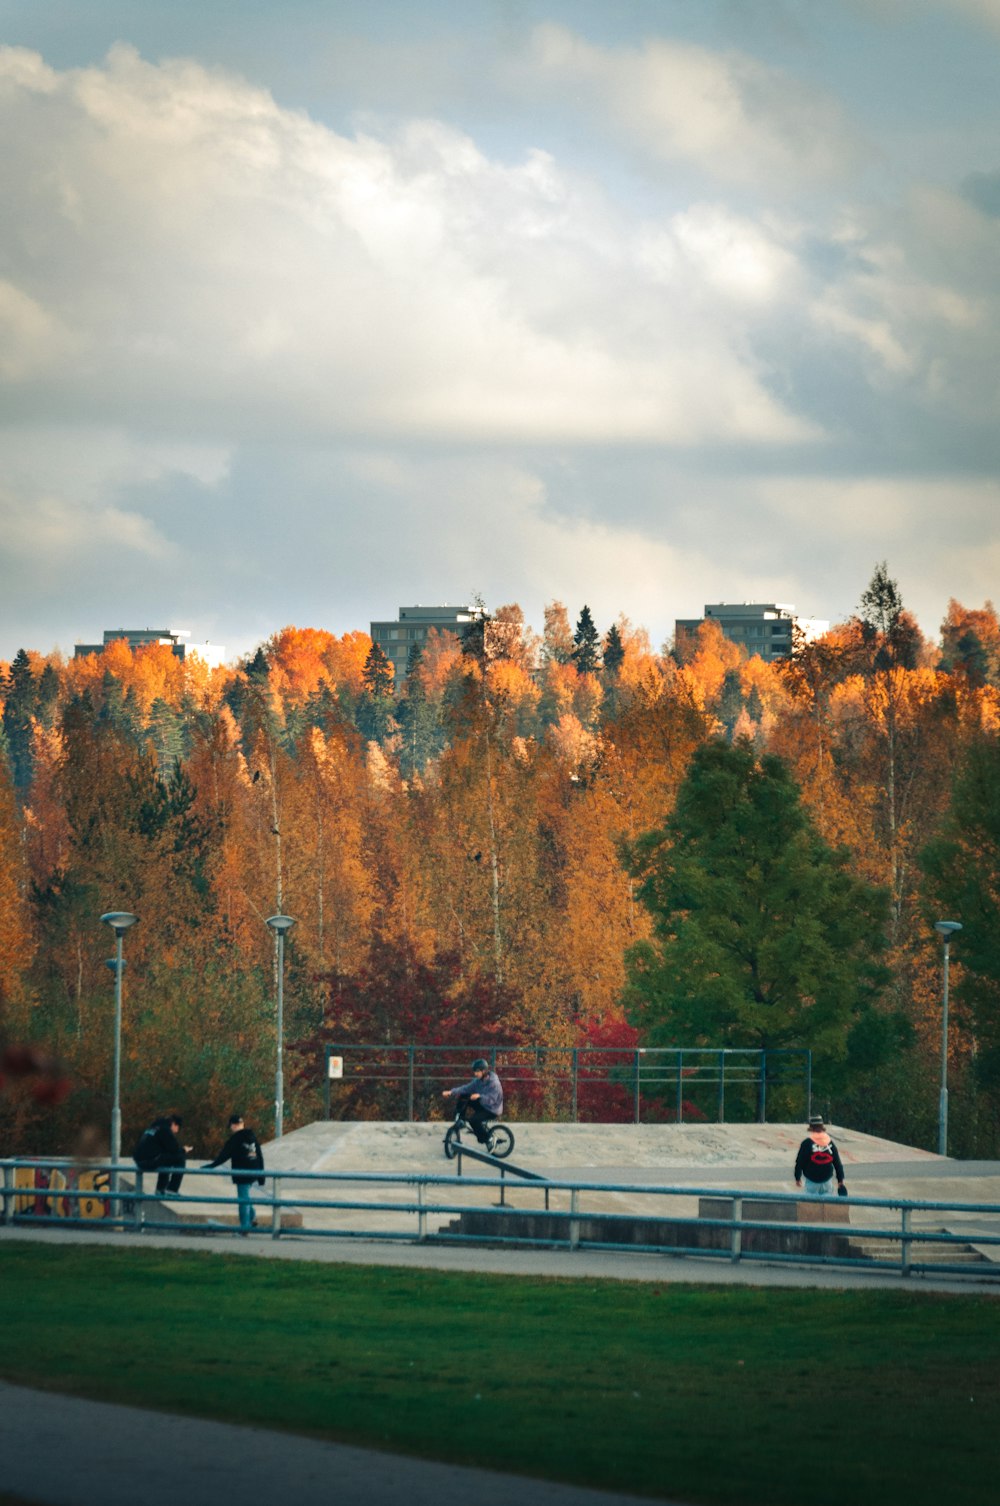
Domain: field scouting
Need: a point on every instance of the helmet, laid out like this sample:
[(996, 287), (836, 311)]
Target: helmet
[(480, 1064)]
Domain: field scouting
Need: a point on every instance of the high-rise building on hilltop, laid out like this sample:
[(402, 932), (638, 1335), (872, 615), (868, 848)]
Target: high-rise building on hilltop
[(212, 654), (763, 628), (396, 639)]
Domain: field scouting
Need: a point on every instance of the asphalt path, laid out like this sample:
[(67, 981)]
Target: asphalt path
[(62, 1451)]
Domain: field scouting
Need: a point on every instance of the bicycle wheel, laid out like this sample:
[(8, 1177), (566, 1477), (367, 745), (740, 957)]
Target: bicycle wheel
[(452, 1141), (501, 1141)]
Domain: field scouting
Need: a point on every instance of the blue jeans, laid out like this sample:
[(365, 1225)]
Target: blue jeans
[(246, 1206), (819, 1189)]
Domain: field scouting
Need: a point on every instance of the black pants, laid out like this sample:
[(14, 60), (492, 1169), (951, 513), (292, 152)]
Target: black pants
[(167, 1180), (477, 1116)]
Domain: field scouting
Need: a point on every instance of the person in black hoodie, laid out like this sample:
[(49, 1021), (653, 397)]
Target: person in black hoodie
[(158, 1149), (242, 1150), (818, 1161)]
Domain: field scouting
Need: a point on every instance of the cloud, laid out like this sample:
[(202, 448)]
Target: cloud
[(728, 114), (187, 255)]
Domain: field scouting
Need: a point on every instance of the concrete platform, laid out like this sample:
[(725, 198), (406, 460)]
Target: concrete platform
[(727, 1157)]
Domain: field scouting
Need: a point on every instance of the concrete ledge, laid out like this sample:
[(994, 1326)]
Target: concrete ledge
[(832, 1210), (623, 1229)]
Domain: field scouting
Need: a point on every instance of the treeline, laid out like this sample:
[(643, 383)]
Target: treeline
[(468, 858)]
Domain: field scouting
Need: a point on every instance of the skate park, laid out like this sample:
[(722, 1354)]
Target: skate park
[(648, 1186)]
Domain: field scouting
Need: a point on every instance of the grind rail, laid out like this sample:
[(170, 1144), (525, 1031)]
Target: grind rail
[(910, 1239)]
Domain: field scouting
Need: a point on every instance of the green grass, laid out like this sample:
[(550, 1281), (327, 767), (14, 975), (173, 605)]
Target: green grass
[(720, 1394)]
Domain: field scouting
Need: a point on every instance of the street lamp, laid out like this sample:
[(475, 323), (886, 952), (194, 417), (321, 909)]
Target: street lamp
[(119, 921), (945, 929), (279, 924)]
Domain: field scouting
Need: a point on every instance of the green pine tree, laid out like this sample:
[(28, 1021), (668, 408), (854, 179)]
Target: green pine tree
[(763, 936), (586, 642)]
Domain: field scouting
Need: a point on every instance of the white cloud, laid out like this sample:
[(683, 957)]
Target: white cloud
[(200, 259), (722, 255), (56, 536), (727, 113), (498, 532)]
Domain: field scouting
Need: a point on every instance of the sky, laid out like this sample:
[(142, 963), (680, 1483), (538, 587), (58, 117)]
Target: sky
[(313, 311)]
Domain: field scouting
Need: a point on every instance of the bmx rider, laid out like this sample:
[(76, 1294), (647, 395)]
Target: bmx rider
[(483, 1097)]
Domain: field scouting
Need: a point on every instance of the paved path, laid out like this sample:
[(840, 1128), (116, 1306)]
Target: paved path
[(582, 1265), (61, 1451)]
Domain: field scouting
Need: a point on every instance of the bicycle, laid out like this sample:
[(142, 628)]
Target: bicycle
[(499, 1137)]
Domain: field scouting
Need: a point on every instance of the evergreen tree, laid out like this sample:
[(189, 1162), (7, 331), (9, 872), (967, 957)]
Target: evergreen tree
[(614, 652), (20, 701), (586, 640), (375, 705), (377, 675), (763, 936), (962, 866)]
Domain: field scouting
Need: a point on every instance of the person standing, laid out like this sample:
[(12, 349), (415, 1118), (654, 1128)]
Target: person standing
[(242, 1150), (818, 1161), (158, 1149), (481, 1097)]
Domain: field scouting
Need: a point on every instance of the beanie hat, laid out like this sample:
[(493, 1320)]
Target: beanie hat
[(816, 1122)]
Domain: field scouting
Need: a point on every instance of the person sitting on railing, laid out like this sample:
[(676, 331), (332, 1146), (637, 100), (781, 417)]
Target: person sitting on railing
[(483, 1098), (158, 1149)]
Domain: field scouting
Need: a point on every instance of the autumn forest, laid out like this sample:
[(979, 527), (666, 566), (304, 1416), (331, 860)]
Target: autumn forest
[(561, 839)]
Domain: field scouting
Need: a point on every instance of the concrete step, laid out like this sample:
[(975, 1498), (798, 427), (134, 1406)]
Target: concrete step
[(887, 1250)]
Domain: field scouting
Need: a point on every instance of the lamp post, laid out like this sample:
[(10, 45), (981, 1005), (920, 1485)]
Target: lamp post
[(945, 929), (119, 921), (279, 924)]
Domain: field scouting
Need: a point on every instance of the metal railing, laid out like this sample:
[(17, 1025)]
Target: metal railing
[(575, 1215), (598, 1083)]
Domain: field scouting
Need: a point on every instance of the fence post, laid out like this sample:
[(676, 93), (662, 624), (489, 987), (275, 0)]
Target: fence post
[(722, 1087), (762, 1088), (326, 1082), (904, 1246), (576, 1070), (8, 1183), (138, 1204), (276, 1207), (680, 1086), (636, 1087), (574, 1219), (736, 1233), (421, 1214), (809, 1083), (409, 1085)]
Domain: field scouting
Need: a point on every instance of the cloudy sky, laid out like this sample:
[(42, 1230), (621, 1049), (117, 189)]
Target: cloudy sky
[(311, 310)]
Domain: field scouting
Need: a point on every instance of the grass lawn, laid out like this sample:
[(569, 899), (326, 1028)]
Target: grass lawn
[(709, 1394)]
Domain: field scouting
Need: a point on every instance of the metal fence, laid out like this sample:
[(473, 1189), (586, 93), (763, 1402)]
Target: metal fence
[(590, 1083), (908, 1237)]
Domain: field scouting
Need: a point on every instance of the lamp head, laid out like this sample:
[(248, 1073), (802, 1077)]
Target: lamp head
[(119, 921), (947, 928), (279, 924)]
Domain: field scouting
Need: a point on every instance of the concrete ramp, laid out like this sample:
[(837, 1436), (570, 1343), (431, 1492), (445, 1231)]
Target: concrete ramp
[(744, 1157)]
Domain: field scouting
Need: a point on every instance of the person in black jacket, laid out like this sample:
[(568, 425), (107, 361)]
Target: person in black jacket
[(819, 1162), (242, 1150), (158, 1149)]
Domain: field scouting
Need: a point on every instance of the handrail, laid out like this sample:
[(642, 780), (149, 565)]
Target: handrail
[(502, 1166), (127, 1208)]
